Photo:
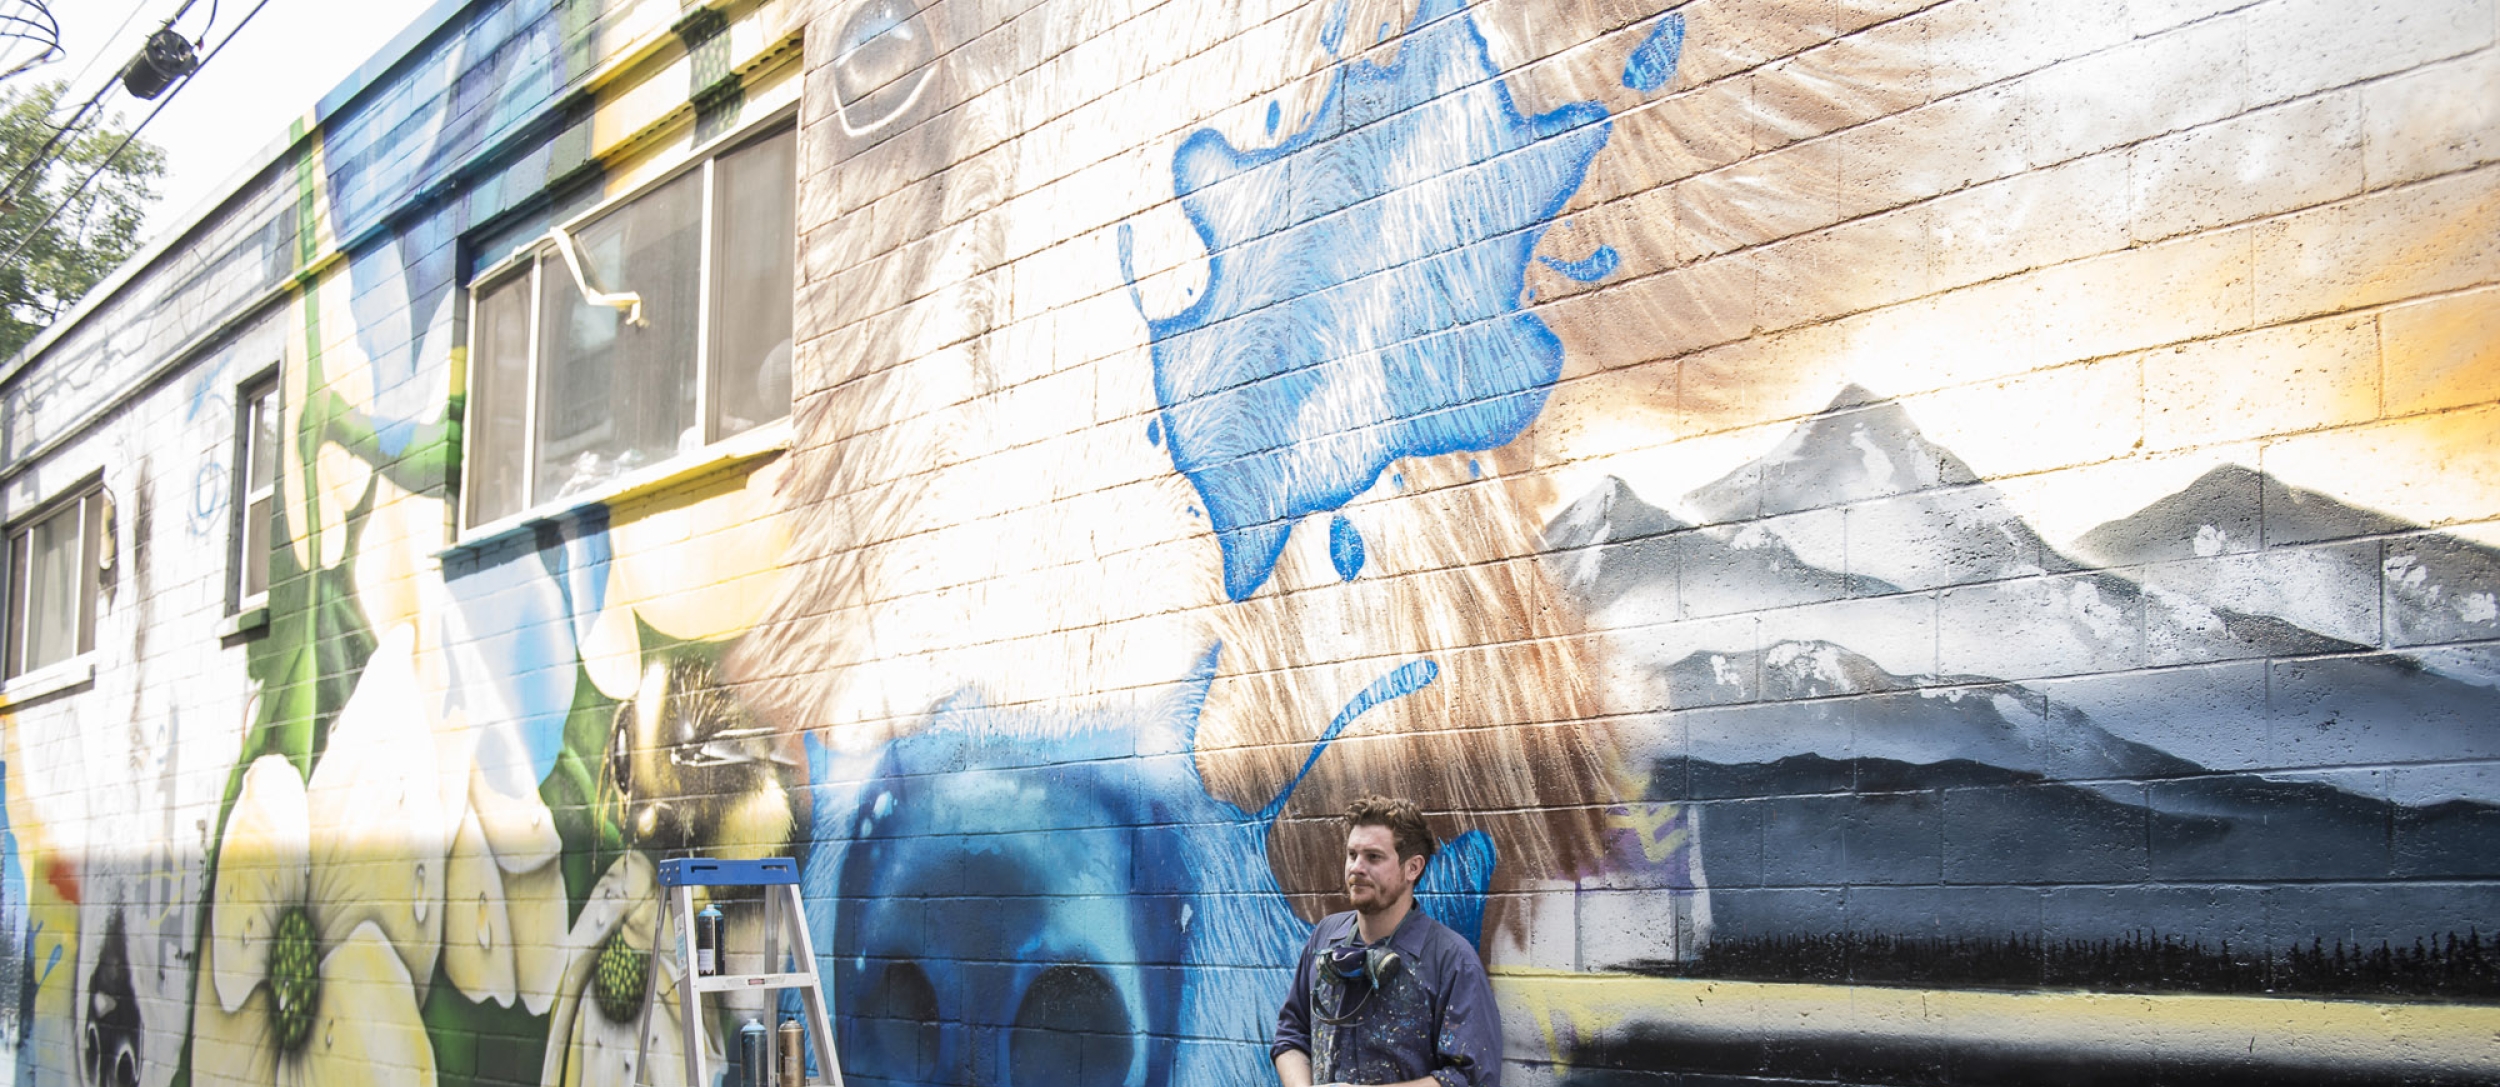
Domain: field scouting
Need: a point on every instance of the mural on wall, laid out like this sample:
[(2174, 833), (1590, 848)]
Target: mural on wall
[(1754, 683)]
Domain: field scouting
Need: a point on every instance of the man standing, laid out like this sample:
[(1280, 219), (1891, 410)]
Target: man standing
[(1385, 995)]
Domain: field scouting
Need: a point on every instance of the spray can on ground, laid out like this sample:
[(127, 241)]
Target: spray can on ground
[(707, 941), (754, 1047), (793, 1043)]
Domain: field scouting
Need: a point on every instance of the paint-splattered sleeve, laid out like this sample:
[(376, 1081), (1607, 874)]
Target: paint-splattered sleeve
[(1467, 1047), (1293, 1019)]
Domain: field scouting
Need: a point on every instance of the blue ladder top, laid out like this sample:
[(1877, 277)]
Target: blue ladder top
[(703, 872)]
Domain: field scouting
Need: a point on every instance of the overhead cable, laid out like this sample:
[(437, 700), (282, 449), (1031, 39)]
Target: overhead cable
[(161, 103)]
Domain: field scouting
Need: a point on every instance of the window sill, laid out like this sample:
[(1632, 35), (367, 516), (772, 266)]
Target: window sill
[(49, 680), (725, 455), (251, 621)]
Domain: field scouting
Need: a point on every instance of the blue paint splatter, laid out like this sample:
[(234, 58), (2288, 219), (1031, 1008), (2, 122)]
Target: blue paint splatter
[(1590, 269), (1345, 547), (1154, 432), (1653, 61), (1275, 116), (1474, 470), (1332, 30), (1398, 480), (1363, 284)]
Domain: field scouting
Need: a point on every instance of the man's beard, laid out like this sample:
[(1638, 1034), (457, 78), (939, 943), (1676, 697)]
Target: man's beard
[(1382, 898)]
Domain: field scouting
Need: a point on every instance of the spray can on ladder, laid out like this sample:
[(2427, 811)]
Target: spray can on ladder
[(793, 1044), (754, 1047), (707, 941)]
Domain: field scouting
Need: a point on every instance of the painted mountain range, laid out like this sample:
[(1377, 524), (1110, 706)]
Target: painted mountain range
[(2244, 713)]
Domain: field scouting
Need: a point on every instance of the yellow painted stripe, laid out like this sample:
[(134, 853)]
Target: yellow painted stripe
[(2332, 1033)]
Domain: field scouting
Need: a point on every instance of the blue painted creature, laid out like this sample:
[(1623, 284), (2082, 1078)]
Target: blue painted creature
[(1033, 897)]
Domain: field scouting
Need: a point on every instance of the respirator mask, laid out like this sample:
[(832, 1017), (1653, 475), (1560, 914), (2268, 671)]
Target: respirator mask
[(1349, 963)]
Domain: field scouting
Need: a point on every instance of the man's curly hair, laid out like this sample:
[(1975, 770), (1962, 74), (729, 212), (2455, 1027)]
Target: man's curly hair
[(1404, 820)]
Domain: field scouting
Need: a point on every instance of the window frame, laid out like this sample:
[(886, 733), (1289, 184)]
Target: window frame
[(529, 264), (238, 523), (89, 504)]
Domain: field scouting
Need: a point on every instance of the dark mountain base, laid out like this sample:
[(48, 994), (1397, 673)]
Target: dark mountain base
[(2458, 968), (1659, 1055)]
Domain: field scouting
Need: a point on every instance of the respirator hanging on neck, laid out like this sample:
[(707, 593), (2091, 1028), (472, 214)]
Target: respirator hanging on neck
[(1350, 962)]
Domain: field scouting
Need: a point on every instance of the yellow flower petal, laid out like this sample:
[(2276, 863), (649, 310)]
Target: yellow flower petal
[(231, 1047), (262, 869), (697, 568), (536, 903), (395, 555), (602, 1052), (628, 887), (379, 856), (519, 829), (477, 933), (368, 1032), (612, 653)]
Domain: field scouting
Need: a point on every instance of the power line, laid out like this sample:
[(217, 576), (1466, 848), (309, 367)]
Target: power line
[(133, 134), (107, 49), (30, 171), (40, 28)]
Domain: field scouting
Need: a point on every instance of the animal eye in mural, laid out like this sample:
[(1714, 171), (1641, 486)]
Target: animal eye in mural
[(689, 766), (1071, 1029), (881, 65), (111, 1034)]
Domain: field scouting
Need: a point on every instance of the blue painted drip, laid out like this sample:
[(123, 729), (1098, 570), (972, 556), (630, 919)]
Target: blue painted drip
[(1653, 62), (1363, 287), (1345, 547), (1454, 884), (1332, 30), (1275, 116), (1398, 480), (1154, 432), (1474, 470), (1589, 269)]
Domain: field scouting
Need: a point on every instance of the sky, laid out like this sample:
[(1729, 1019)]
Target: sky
[(238, 106)]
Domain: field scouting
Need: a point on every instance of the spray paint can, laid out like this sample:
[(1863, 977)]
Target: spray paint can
[(754, 1048), (793, 1043), (707, 941)]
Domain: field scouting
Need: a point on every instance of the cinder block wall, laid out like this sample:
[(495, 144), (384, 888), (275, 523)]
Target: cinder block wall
[(1925, 543)]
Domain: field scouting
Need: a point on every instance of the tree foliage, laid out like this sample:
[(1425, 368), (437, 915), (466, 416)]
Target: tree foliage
[(58, 261)]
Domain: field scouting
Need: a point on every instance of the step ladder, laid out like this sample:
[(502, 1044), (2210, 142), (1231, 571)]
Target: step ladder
[(784, 916)]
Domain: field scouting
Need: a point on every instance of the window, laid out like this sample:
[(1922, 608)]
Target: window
[(653, 328), (256, 483), (53, 561)]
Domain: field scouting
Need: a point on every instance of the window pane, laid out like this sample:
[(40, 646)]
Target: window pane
[(614, 397), (260, 473), (754, 239), (82, 577), (499, 401), (256, 546), (52, 552), (262, 437)]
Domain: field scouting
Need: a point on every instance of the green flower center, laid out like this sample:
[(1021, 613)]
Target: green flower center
[(618, 984), (295, 978)]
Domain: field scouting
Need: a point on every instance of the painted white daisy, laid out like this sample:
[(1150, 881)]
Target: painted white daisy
[(326, 918)]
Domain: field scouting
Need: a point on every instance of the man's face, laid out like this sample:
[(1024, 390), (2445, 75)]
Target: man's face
[(1375, 879)]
